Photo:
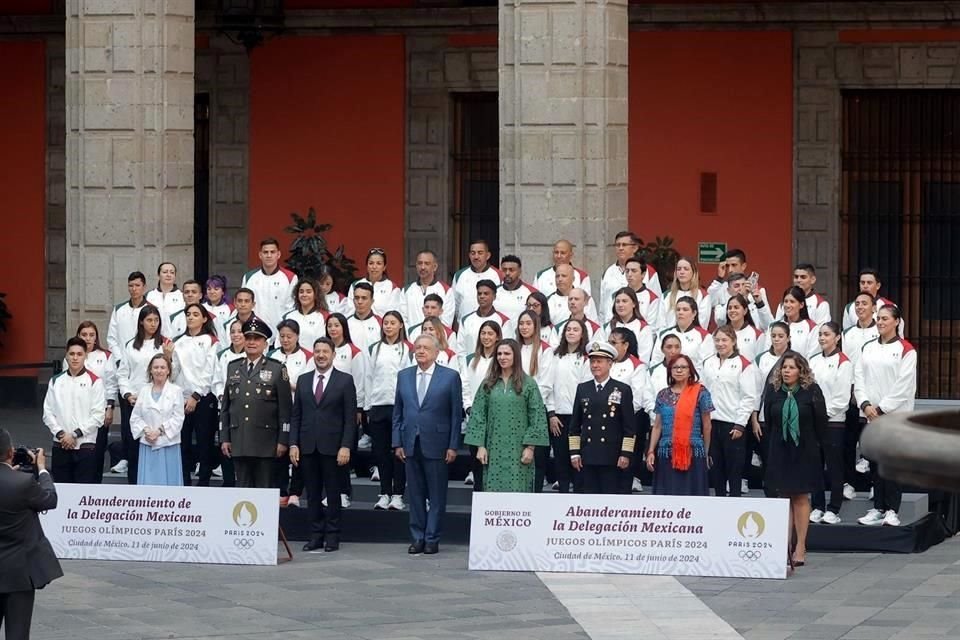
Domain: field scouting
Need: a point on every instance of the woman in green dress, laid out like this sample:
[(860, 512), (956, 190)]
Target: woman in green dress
[(507, 421)]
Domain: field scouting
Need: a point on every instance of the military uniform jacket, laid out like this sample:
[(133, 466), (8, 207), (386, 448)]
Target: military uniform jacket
[(255, 416), (603, 426)]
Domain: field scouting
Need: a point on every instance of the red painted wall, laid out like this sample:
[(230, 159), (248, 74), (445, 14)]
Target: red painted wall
[(714, 102), (22, 183), (327, 130)]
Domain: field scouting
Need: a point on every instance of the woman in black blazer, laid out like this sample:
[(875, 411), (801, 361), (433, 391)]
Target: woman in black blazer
[(796, 422)]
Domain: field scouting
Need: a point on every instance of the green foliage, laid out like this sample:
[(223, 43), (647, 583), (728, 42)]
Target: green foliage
[(4, 315), (310, 253), (663, 256)]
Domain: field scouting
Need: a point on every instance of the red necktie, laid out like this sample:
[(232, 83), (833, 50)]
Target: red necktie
[(318, 392)]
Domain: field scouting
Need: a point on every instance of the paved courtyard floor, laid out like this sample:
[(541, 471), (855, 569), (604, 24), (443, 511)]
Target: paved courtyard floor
[(376, 591)]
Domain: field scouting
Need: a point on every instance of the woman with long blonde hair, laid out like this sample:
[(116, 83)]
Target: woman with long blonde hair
[(686, 283)]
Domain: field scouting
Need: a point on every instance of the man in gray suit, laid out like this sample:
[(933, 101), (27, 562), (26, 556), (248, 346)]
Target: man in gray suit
[(426, 433), (27, 561)]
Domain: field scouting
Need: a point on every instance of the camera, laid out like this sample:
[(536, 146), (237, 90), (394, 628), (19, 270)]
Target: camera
[(23, 458)]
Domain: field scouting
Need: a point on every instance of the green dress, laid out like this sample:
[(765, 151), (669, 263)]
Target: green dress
[(505, 423)]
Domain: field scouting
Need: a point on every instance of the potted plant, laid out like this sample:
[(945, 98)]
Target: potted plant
[(663, 256), (310, 253)]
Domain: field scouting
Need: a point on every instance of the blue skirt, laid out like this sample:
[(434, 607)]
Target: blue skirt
[(160, 466), (667, 481)]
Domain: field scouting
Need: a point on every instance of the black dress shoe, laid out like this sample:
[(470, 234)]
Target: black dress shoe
[(431, 548), (416, 548), (314, 544), (331, 546)]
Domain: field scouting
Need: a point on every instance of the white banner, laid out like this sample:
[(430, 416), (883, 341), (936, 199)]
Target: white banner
[(164, 524), (664, 535)]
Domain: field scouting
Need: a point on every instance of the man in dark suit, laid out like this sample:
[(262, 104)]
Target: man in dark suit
[(603, 427), (255, 416), (322, 432), (426, 433), (27, 561)]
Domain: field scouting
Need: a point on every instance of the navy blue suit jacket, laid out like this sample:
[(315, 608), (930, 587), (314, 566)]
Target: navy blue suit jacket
[(437, 421)]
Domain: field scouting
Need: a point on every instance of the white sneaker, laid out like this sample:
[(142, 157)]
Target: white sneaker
[(849, 493), (891, 519), (863, 465), (120, 467), (396, 503), (755, 461), (365, 442), (383, 502), (218, 472), (375, 474), (830, 518), (345, 501), (469, 479), (555, 486), (873, 518), (744, 486), (816, 516), (637, 486)]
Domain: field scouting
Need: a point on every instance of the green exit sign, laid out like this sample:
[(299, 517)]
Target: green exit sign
[(711, 251)]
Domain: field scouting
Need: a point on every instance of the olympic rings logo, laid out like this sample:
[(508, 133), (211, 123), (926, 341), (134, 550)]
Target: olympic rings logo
[(246, 543), (749, 554)]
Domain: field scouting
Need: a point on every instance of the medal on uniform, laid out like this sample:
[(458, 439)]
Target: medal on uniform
[(266, 375), (615, 397)]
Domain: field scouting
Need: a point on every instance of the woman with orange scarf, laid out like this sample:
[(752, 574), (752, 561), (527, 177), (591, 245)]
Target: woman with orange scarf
[(680, 437)]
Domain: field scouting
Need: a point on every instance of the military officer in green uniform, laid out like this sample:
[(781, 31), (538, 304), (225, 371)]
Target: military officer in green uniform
[(603, 427), (255, 417)]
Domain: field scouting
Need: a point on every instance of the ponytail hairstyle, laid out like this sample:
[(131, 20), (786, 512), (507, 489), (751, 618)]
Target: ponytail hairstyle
[(833, 326), (783, 326)]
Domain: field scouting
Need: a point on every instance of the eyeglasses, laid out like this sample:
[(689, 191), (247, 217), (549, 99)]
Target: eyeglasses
[(680, 367)]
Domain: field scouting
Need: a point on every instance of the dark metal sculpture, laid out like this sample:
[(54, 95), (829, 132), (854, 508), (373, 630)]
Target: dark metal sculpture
[(920, 449)]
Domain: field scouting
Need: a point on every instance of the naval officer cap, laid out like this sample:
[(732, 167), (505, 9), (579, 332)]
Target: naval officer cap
[(602, 350), (256, 327)]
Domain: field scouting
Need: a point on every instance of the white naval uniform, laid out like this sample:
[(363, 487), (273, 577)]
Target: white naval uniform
[(273, 293)]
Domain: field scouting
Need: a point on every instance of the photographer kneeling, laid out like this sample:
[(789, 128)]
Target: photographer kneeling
[(27, 561)]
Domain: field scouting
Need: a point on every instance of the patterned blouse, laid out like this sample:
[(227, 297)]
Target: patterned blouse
[(666, 406)]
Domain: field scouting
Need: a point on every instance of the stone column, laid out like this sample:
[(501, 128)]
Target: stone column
[(563, 122), (129, 151)]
